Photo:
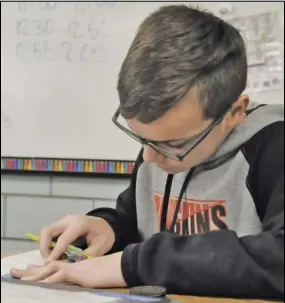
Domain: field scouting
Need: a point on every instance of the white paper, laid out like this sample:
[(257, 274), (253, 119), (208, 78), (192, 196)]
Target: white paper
[(21, 261), (16, 293)]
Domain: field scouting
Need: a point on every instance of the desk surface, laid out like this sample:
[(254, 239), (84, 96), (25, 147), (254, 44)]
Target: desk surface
[(192, 299), (186, 299)]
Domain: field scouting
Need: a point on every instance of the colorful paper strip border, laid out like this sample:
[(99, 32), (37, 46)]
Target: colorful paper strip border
[(109, 167)]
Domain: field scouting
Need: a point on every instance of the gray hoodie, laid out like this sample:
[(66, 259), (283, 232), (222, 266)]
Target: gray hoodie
[(227, 235)]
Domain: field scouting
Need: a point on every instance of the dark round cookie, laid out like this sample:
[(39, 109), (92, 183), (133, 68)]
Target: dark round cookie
[(149, 291)]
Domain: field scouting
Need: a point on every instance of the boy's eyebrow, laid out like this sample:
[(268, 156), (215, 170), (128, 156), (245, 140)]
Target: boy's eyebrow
[(164, 141)]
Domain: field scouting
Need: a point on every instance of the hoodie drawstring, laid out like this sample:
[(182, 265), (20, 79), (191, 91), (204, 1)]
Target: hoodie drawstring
[(166, 201)]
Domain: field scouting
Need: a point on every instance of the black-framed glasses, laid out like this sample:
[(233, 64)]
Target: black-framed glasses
[(172, 152)]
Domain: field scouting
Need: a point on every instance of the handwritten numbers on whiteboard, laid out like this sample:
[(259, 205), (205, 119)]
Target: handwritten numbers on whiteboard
[(47, 6), (82, 7), (42, 50), (48, 50), (68, 51), (49, 27), (93, 30), (43, 38), (22, 7), (37, 50), (67, 47), (21, 51), (35, 27), (20, 28), (86, 53), (74, 30)]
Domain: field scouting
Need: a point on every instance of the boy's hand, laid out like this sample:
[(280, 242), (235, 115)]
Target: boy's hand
[(99, 236)]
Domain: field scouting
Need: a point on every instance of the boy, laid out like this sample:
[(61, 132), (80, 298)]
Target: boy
[(204, 212)]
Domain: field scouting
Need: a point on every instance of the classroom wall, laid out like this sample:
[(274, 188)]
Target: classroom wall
[(29, 203)]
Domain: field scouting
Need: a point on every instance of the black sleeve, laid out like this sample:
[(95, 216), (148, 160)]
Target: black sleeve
[(122, 219), (220, 263)]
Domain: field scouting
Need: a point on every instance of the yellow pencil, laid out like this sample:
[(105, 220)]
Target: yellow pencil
[(70, 249)]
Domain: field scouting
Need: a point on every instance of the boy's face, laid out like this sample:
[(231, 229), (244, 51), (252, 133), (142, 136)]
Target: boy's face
[(179, 128)]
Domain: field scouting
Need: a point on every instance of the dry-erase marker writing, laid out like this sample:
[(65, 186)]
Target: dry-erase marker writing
[(73, 253)]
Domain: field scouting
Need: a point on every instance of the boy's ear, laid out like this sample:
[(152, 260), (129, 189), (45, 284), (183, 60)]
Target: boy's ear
[(236, 110)]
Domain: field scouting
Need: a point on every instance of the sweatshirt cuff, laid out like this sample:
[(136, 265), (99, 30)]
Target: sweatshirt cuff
[(110, 216), (129, 265), (105, 213)]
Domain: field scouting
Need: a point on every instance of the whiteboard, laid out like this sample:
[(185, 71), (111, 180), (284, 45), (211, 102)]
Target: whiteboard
[(60, 62)]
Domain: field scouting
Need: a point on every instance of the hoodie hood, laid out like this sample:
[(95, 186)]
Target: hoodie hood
[(259, 116)]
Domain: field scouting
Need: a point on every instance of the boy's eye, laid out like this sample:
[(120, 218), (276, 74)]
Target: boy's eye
[(176, 145), (181, 144)]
